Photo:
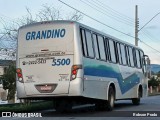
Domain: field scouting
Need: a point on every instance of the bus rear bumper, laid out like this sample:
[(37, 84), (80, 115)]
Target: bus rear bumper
[(74, 89)]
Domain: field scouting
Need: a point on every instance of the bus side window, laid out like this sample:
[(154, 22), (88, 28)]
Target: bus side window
[(112, 51), (128, 56), (119, 53), (123, 53), (138, 59), (84, 47), (87, 44), (96, 49), (131, 56), (101, 47), (141, 57), (106, 46)]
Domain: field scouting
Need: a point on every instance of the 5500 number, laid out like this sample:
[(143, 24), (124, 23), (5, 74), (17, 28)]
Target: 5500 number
[(58, 62)]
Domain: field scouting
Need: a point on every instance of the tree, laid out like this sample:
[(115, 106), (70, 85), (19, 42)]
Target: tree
[(158, 74), (9, 37), (153, 82), (8, 80), (10, 30)]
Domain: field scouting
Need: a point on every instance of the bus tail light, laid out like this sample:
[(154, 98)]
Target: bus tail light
[(19, 74), (74, 72)]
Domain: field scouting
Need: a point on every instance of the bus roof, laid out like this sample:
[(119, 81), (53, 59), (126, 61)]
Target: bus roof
[(47, 22), (80, 24)]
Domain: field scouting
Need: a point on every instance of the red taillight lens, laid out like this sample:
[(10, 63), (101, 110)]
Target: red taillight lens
[(75, 71), (19, 74)]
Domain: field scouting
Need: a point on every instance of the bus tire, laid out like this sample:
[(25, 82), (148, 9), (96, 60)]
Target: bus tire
[(111, 99), (136, 101), (108, 105)]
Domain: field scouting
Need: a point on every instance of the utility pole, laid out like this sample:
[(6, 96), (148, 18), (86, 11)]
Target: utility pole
[(136, 26)]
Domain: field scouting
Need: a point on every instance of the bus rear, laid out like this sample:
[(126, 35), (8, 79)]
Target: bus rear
[(45, 60)]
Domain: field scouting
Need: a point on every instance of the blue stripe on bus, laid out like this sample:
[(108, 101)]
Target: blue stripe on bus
[(106, 71)]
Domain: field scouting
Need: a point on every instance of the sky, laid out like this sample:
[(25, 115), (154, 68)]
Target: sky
[(118, 14)]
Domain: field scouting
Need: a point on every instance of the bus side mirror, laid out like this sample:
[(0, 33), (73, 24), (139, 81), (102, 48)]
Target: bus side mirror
[(147, 64), (148, 61)]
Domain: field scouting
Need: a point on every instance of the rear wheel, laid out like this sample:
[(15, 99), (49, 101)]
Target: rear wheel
[(111, 99), (109, 104), (136, 101)]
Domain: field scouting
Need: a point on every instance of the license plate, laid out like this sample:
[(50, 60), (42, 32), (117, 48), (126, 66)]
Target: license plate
[(46, 88)]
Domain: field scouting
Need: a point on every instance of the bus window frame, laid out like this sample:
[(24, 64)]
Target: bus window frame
[(132, 56), (127, 54), (97, 34), (93, 33), (140, 62), (82, 28), (109, 52), (107, 49)]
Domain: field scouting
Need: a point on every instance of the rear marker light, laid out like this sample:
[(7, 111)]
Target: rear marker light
[(18, 70), (19, 74), (20, 80), (74, 72)]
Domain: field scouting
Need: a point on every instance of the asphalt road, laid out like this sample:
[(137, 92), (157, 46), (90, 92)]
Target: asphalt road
[(125, 110)]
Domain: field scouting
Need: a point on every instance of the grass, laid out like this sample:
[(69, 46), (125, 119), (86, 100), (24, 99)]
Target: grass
[(36, 106), (154, 93)]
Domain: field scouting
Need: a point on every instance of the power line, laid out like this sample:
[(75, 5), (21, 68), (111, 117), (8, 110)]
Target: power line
[(157, 52), (149, 46), (114, 11), (108, 9), (151, 36), (96, 20), (102, 10), (146, 34), (106, 25), (148, 21), (139, 30)]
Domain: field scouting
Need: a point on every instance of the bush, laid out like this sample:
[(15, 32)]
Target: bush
[(36, 106), (153, 82)]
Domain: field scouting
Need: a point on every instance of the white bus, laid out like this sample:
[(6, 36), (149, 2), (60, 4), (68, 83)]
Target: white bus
[(72, 63)]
